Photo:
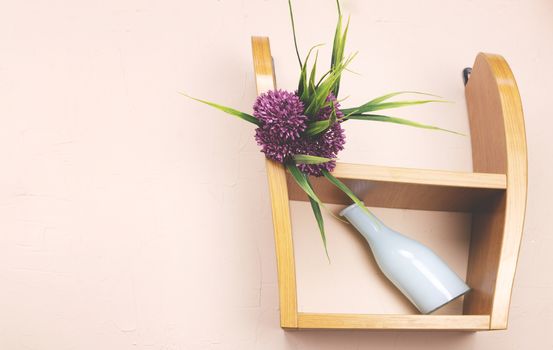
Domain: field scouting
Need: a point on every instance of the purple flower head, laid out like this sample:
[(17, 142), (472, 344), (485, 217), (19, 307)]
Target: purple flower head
[(281, 113), (280, 134), (282, 122), (327, 144)]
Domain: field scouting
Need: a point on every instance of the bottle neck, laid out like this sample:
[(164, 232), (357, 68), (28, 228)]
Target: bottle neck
[(365, 222)]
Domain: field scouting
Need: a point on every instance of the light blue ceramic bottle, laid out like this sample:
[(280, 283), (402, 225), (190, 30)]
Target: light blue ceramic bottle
[(414, 269)]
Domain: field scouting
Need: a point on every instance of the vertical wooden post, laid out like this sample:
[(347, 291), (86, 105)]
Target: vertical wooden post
[(276, 174)]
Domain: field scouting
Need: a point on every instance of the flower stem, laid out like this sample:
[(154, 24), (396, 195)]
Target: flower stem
[(294, 32)]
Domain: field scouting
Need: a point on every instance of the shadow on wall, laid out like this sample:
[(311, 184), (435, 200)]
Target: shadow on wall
[(363, 339)]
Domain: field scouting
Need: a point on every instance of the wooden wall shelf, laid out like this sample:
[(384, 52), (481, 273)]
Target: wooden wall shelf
[(495, 195)]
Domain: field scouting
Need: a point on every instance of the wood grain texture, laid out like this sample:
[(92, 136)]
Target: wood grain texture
[(420, 176), (392, 322), (484, 257), (408, 188), (498, 146), (284, 246)]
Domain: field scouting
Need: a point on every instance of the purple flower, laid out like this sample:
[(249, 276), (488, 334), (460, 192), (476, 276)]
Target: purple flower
[(281, 113), (327, 144), (280, 134), (282, 118)]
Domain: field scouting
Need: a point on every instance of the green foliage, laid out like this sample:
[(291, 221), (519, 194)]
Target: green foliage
[(314, 96), (302, 181), (305, 91), (309, 159), (393, 94), (317, 100), (370, 107), (231, 111), (338, 49), (344, 189), (319, 217), (311, 86), (380, 103), (387, 119), (294, 32), (317, 127)]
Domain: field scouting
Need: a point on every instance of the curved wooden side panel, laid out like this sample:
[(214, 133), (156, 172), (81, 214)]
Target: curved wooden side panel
[(276, 174), (498, 146)]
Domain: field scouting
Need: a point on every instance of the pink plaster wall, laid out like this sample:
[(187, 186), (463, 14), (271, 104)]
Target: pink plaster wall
[(132, 218)]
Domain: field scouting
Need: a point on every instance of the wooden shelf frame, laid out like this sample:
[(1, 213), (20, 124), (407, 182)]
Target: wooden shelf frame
[(495, 194)]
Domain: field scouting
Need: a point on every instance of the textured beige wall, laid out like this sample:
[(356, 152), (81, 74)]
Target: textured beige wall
[(132, 218)]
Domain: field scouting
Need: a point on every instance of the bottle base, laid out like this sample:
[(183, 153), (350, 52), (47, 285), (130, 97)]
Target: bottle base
[(447, 302)]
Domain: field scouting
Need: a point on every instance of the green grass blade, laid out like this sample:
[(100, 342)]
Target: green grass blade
[(317, 127), (316, 203), (323, 77), (340, 57), (388, 105), (399, 104), (342, 187), (387, 119), (303, 85), (319, 217), (333, 116), (383, 98), (323, 90), (231, 111), (309, 159), (303, 92), (312, 87), (393, 94), (353, 72), (334, 60), (294, 32), (301, 180)]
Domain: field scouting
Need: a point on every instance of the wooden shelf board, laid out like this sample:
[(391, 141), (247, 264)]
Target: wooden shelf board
[(405, 188), (420, 176), (393, 322)]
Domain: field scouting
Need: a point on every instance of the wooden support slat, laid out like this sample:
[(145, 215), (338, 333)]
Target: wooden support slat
[(265, 79), (393, 322)]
